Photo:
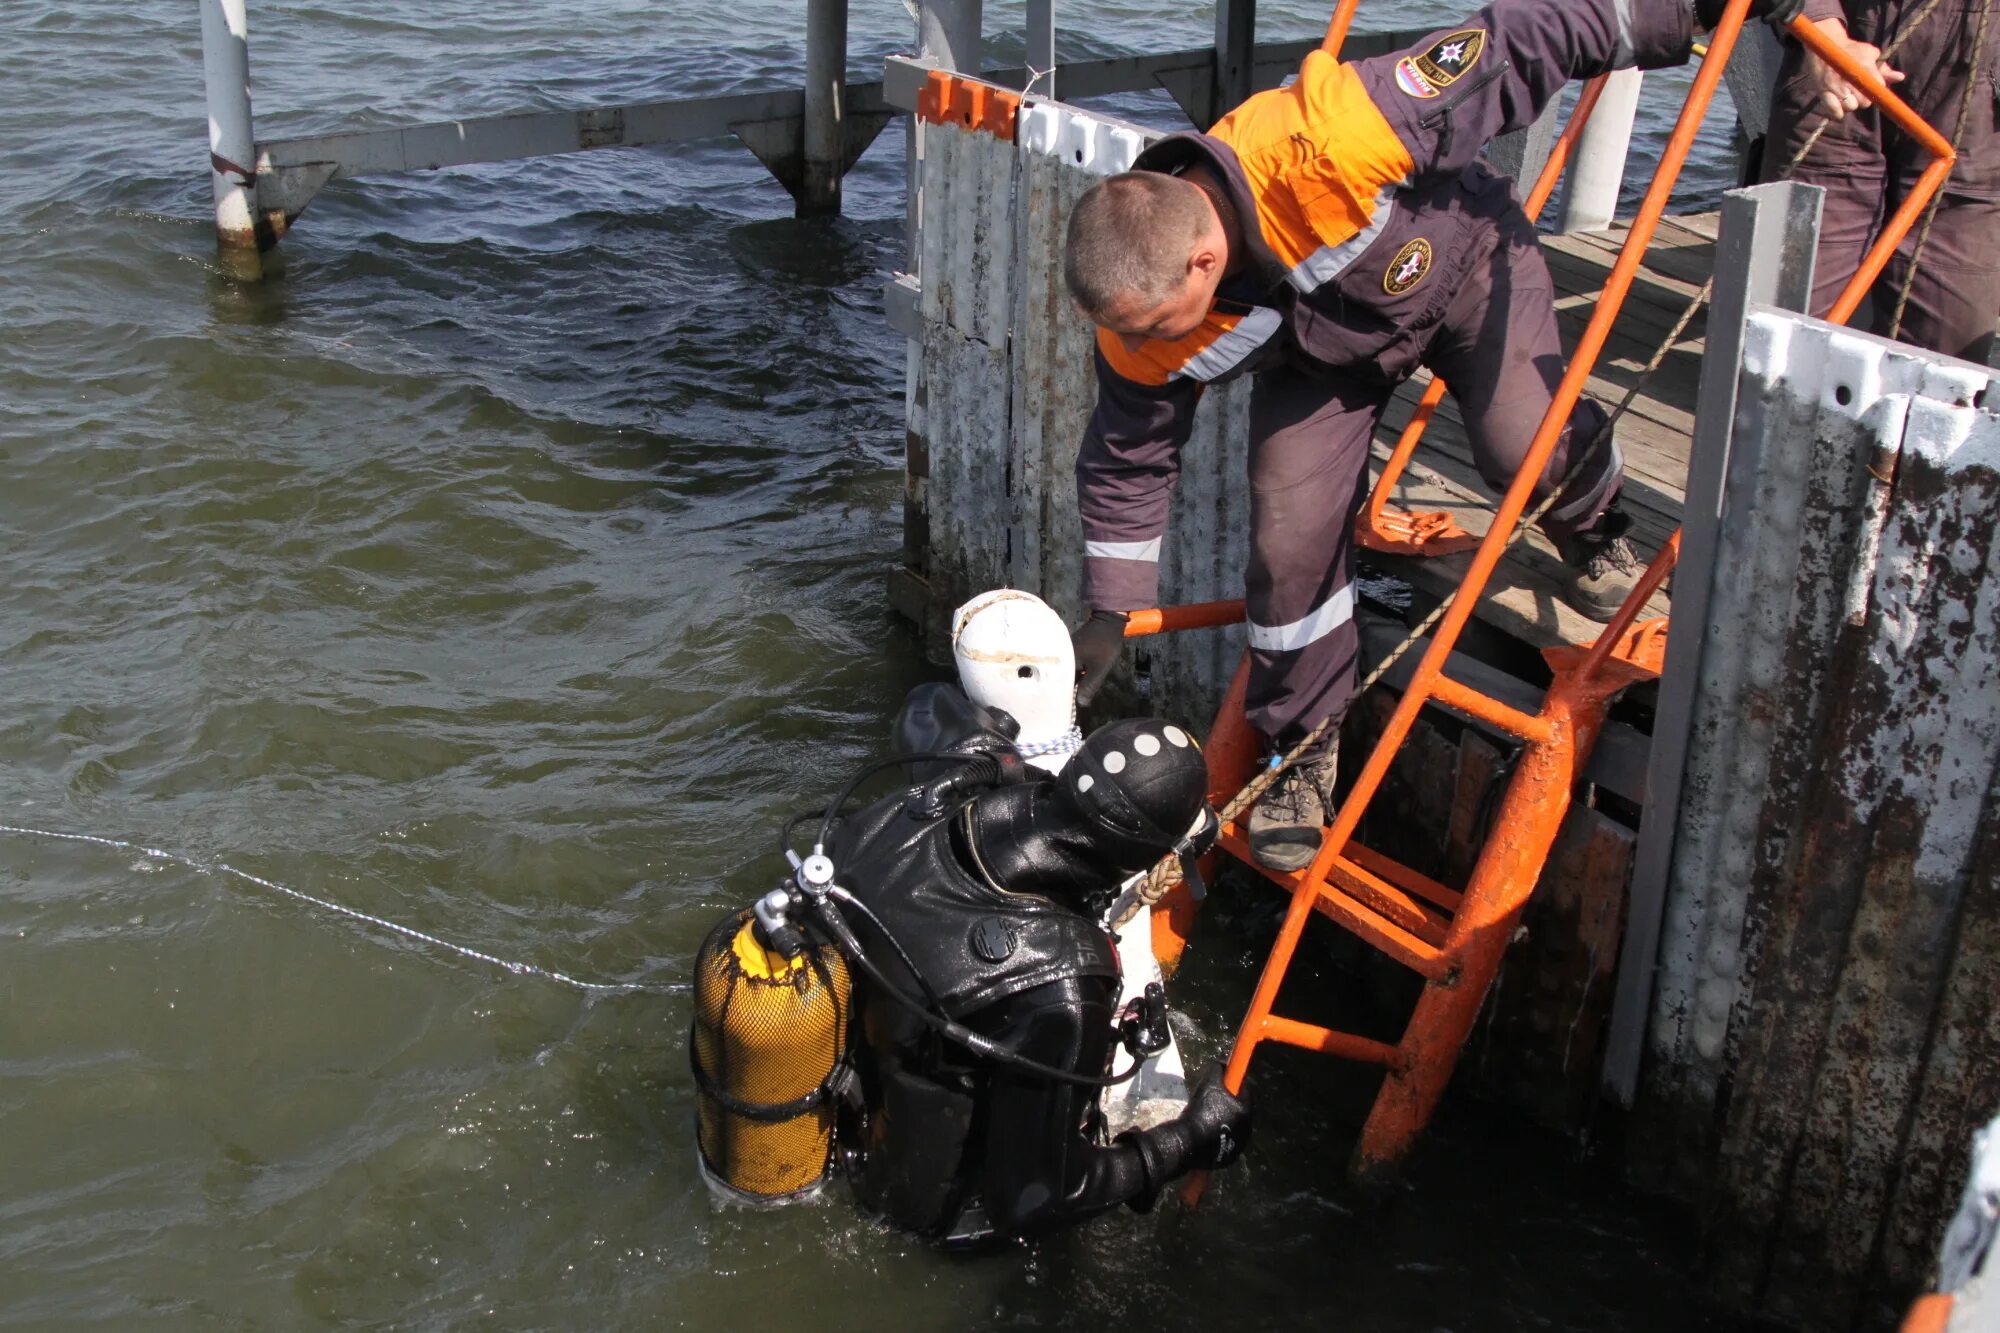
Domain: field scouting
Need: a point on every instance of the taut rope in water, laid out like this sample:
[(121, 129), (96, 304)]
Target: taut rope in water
[(340, 909)]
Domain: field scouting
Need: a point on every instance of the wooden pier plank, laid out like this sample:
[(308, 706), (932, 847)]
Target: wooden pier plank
[(1524, 598)]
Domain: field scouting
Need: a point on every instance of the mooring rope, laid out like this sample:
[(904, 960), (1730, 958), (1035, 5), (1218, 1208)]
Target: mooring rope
[(341, 909)]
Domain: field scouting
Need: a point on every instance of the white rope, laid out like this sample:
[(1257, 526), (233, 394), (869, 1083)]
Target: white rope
[(382, 923)]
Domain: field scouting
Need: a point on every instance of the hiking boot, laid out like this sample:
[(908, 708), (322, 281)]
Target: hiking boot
[(1601, 564), (1288, 824)]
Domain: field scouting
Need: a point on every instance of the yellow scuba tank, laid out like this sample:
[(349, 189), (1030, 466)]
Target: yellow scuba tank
[(770, 1038)]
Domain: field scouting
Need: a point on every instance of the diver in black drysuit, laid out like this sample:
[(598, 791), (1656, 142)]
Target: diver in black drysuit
[(989, 882)]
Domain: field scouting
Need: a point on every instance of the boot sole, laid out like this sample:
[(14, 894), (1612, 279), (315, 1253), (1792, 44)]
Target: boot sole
[(1584, 605), (1286, 857)]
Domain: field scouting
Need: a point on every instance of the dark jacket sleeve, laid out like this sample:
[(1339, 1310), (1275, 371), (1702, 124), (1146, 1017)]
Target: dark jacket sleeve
[(1039, 1171), (1456, 89), (1125, 474)]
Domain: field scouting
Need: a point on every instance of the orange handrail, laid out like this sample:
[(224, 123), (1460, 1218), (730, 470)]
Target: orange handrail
[(1928, 183), (1336, 28), (1195, 615)]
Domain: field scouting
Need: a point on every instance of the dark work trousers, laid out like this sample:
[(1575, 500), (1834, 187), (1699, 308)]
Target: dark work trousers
[(1497, 347), (1868, 167)]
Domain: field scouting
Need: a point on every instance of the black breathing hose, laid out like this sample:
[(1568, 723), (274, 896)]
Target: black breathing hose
[(833, 811), (986, 1047), (930, 991), (869, 770)]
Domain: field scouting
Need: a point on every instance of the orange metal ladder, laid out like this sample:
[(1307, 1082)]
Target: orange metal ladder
[(1455, 940)]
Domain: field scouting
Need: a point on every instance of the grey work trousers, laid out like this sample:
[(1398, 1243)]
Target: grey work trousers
[(1867, 167), (1498, 348)]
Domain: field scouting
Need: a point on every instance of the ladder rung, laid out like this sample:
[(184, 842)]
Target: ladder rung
[(1343, 1044), (1404, 878), (1420, 956), (1485, 708), (1379, 895), (1413, 952)]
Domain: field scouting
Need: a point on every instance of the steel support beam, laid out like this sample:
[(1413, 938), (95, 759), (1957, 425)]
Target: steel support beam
[(948, 34), (1235, 53), (232, 142), (1176, 71), (289, 172), (1041, 48), (826, 85), (1763, 256)]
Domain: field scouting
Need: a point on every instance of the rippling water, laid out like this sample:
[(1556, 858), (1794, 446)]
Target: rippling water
[(505, 567)]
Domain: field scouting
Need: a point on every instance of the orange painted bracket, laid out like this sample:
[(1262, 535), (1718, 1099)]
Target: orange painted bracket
[(953, 99), (1406, 532), (1642, 648)]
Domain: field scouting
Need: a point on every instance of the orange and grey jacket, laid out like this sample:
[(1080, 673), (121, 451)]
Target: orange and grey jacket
[(1349, 185)]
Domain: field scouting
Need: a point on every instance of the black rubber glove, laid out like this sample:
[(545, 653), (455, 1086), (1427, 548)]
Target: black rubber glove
[(1098, 643), (1212, 1132), (1777, 13)]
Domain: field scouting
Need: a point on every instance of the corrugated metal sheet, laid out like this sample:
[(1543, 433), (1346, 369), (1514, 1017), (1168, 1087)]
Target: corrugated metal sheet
[(959, 400), (1827, 1025), (1006, 384)]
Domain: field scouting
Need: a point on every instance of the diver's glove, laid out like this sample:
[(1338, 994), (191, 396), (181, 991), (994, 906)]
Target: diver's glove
[(1777, 13), (1098, 642), (1212, 1132)]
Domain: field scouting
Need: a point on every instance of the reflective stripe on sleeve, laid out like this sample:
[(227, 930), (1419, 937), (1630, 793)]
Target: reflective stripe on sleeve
[(1233, 347), (1336, 611), (1124, 550), (1330, 261), (1626, 54)]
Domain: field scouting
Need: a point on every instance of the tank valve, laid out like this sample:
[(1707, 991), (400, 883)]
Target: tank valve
[(774, 923), (815, 875)]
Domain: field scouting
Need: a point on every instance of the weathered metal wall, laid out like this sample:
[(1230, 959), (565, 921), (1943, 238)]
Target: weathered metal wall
[(1827, 1024), (1005, 384)]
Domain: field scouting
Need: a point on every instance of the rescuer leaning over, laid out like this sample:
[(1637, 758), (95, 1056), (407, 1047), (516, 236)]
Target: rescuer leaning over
[(1330, 237)]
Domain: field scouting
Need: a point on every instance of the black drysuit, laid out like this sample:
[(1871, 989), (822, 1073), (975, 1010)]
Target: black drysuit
[(957, 1146)]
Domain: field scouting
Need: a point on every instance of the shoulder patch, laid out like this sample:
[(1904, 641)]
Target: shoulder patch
[(1447, 59), (1411, 79), (1410, 266)]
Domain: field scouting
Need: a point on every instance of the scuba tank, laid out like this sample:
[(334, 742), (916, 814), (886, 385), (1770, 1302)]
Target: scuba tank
[(769, 1050)]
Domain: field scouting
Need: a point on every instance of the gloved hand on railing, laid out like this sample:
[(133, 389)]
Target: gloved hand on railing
[(1098, 641), (1212, 1132)]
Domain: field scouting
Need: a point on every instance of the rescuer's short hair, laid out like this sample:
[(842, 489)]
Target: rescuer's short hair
[(1131, 236)]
